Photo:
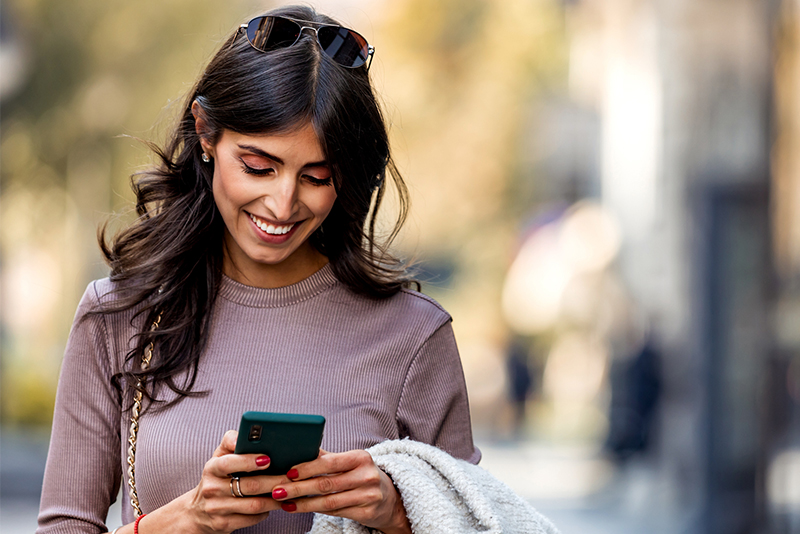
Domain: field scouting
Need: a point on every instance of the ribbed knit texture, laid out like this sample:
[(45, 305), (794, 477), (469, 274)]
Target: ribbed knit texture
[(376, 370)]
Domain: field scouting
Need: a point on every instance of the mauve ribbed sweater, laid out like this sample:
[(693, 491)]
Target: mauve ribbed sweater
[(376, 370)]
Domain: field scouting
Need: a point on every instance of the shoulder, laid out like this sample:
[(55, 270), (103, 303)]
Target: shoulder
[(104, 293), (423, 308), (102, 290), (423, 302), (405, 305), (96, 294), (407, 314), (100, 303)]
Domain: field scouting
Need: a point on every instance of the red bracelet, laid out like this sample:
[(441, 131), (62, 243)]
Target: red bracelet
[(136, 525)]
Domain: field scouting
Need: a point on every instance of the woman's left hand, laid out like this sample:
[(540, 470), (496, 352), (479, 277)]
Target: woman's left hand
[(346, 484)]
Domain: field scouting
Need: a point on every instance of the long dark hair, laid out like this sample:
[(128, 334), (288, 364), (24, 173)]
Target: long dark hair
[(169, 261)]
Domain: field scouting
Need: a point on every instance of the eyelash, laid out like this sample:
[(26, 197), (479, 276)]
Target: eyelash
[(258, 172), (319, 181), (263, 172)]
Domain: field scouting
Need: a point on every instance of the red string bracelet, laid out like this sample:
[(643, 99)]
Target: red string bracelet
[(136, 525)]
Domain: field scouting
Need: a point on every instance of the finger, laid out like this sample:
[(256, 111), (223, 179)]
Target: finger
[(223, 466), (231, 522), (330, 463), (326, 484), (228, 444), (337, 503), (242, 506), (260, 484)]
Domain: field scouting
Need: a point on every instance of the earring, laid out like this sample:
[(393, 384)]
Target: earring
[(205, 157)]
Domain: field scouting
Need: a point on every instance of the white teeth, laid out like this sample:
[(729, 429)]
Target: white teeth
[(270, 228)]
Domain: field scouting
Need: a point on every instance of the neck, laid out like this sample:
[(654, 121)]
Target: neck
[(299, 266)]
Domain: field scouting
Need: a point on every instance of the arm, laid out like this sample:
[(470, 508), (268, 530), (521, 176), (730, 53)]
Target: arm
[(210, 508), (85, 442), (433, 408), (83, 471)]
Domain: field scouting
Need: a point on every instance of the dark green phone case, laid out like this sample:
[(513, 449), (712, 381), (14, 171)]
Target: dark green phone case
[(287, 438)]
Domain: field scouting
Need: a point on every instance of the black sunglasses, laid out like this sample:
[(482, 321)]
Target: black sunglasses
[(344, 46)]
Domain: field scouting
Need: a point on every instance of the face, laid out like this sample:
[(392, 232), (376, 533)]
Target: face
[(273, 191)]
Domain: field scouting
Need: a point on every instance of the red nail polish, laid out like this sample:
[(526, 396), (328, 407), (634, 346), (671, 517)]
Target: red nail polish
[(292, 474), (261, 461), (279, 493), (288, 506)]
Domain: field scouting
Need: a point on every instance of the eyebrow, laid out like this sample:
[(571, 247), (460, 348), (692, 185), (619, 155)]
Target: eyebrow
[(276, 159)]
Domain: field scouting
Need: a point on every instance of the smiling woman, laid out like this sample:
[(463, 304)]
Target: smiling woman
[(252, 280), (273, 192)]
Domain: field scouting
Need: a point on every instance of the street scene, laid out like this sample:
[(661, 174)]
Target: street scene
[(603, 201)]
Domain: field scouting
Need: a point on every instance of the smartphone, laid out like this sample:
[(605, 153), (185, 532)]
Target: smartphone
[(287, 438)]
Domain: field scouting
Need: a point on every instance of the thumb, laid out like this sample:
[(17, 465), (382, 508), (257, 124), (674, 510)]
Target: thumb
[(228, 444)]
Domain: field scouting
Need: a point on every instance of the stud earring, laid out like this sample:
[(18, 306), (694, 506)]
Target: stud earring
[(205, 157)]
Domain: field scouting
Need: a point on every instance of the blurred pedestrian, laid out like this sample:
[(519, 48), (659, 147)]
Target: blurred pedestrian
[(635, 391), (520, 381)]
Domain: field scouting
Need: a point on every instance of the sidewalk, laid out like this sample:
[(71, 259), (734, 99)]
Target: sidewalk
[(581, 492)]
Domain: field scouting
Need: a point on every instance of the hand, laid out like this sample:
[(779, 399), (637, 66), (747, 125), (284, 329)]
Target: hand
[(347, 484), (211, 508)]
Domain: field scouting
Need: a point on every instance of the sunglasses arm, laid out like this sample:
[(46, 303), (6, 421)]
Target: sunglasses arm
[(370, 55)]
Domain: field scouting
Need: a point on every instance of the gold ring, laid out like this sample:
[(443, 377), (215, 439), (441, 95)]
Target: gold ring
[(236, 490)]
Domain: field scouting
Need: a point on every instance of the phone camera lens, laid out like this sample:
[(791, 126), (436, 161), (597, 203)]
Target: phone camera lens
[(255, 433)]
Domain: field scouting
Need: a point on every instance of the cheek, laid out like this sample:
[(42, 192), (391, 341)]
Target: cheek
[(226, 194), (318, 200), (326, 202)]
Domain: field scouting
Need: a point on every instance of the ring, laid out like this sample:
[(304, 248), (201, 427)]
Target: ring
[(236, 490)]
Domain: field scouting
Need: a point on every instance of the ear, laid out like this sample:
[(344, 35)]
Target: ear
[(201, 127)]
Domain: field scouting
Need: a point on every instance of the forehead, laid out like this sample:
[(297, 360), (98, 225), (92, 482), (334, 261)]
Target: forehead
[(300, 142)]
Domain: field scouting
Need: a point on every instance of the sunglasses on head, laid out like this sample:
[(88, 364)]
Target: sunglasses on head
[(344, 46)]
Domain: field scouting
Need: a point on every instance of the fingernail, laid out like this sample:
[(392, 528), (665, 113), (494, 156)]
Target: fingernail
[(261, 461), (279, 493), (288, 506), (292, 473)]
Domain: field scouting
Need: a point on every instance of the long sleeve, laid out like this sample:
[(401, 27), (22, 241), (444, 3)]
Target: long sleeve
[(83, 471), (433, 404)]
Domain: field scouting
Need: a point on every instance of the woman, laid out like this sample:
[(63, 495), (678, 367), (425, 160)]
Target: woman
[(253, 279)]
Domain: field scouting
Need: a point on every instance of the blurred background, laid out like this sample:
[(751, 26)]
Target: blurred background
[(605, 196)]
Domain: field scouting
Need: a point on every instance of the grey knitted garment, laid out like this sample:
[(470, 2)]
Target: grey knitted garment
[(445, 495)]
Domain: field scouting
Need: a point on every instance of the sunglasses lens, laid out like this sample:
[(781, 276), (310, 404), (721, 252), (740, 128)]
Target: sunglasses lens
[(344, 46), (269, 33)]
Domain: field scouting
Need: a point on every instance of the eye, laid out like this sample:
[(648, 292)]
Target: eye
[(258, 171), (313, 180)]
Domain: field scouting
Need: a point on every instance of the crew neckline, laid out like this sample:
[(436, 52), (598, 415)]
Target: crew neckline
[(259, 297)]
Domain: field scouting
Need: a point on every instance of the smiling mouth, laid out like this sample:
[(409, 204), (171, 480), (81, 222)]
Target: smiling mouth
[(271, 228)]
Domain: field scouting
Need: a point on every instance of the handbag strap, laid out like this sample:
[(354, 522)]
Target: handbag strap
[(135, 412)]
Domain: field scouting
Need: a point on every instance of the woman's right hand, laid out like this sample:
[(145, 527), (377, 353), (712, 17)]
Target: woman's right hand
[(211, 507)]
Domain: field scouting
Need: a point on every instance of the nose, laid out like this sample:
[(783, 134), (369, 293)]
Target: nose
[(281, 199)]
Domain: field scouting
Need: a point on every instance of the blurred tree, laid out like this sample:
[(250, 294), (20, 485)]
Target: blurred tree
[(95, 70), (458, 76), (463, 76)]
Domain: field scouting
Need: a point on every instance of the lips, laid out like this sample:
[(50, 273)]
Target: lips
[(271, 228)]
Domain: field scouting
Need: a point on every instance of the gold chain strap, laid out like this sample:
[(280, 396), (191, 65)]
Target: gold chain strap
[(137, 407)]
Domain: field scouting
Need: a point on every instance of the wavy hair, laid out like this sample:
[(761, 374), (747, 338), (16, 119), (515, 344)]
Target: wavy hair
[(169, 261)]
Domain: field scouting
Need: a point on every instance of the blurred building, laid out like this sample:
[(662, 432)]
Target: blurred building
[(677, 122)]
